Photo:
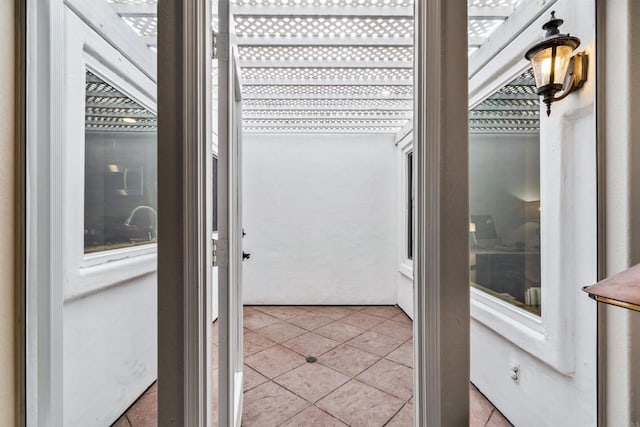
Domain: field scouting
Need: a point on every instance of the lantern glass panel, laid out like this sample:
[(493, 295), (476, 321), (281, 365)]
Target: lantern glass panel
[(541, 62)]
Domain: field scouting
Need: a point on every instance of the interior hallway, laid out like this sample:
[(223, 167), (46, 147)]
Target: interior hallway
[(363, 375)]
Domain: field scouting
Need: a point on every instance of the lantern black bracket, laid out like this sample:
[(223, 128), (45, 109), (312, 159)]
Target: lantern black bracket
[(575, 79), (547, 86)]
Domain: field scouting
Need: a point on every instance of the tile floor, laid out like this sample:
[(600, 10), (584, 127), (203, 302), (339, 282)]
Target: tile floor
[(363, 374)]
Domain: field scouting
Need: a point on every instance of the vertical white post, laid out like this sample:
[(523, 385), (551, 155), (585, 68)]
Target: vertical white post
[(45, 147), (441, 322), (184, 242)]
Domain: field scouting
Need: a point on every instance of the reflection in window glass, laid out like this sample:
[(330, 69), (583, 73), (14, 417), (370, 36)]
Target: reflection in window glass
[(504, 162), (120, 197), (410, 206)]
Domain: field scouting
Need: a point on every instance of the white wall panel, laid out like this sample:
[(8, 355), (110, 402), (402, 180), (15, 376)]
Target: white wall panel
[(320, 216)]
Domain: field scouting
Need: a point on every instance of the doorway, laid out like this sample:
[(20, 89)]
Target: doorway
[(183, 269)]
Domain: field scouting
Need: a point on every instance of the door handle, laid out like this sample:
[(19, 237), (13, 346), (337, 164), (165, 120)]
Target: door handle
[(245, 255)]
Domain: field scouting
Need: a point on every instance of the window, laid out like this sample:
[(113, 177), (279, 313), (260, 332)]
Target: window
[(410, 206), (120, 177), (214, 198), (504, 162)]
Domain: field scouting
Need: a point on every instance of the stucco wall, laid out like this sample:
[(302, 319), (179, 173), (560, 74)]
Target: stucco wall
[(556, 355), (320, 217), (110, 351), (7, 141)]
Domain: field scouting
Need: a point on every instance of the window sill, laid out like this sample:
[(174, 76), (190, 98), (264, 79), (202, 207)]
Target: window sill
[(105, 270), (523, 329), (406, 269)]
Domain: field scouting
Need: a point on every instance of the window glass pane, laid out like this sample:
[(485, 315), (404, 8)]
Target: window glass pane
[(410, 206), (214, 197), (504, 161), (120, 196)]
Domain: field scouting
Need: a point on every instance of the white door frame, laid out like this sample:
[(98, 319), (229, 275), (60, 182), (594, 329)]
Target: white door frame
[(441, 324), (441, 276), (184, 252), (44, 293)]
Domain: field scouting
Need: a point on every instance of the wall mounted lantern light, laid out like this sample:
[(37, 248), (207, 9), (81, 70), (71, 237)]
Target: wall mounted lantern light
[(554, 69)]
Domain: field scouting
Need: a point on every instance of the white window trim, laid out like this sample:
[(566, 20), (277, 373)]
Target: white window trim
[(405, 264), (87, 50), (548, 337)]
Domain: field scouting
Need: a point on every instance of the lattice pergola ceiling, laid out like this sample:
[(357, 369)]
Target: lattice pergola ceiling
[(108, 109), (514, 108), (325, 65)]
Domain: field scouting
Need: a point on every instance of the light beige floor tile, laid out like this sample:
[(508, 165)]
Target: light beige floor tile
[(311, 344), (348, 360), (402, 318), (375, 343), (254, 342), (122, 422), (270, 405), (274, 361), (394, 329), (358, 405), (404, 418), (311, 381), (282, 312), (144, 413), (331, 311), (252, 378), (281, 332), (402, 354), (480, 409), (498, 420), (310, 321), (362, 320), (339, 331), (390, 377), (385, 311), (313, 417), (254, 319)]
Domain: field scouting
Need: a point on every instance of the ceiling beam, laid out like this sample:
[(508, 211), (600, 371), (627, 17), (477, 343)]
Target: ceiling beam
[(322, 122), (334, 115), (315, 63), (134, 9), (512, 116), (323, 96), (327, 130), (372, 107), (491, 13), (322, 11), (506, 108), (475, 41), (515, 96), (321, 41), (309, 82), (144, 114), (503, 132), (497, 125)]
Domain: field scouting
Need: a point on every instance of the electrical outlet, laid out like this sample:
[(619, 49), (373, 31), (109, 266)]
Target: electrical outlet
[(515, 372)]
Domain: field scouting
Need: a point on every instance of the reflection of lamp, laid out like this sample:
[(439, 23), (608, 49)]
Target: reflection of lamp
[(127, 222), (472, 230), (554, 69)]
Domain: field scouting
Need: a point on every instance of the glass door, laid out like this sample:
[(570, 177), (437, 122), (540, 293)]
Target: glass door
[(229, 253)]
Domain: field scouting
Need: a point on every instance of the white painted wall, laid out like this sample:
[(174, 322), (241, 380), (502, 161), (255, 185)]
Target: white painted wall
[(110, 350), (320, 216), (110, 300), (7, 280), (557, 353)]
